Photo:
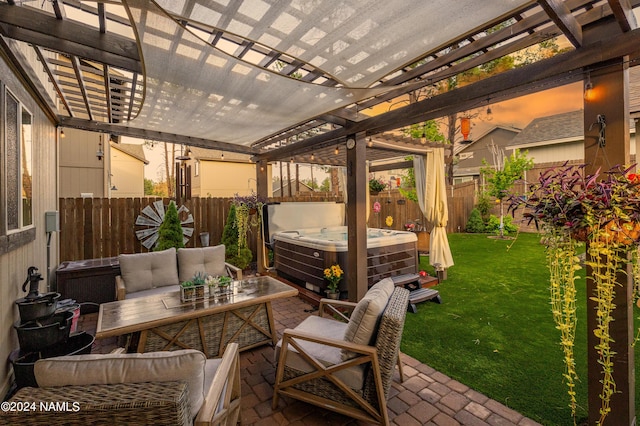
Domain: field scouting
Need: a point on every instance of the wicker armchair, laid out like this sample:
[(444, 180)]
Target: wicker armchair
[(142, 403), (312, 365)]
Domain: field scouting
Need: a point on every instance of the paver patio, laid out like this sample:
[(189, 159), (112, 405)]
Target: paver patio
[(427, 397)]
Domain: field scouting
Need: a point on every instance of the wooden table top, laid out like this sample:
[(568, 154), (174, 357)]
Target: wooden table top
[(141, 313)]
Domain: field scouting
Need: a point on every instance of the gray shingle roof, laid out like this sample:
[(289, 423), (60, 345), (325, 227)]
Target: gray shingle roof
[(552, 127)]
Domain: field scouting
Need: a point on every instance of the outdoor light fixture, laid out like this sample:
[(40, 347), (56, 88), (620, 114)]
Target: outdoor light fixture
[(337, 151), (99, 152), (222, 155), (588, 89), (370, 142), (291, 160), (313, 157), (62, 136)]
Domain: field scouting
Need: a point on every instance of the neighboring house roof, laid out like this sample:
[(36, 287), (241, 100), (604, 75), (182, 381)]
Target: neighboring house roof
[(133, 150), (472, 156), (204, 154), (551, 129), (488, 132)]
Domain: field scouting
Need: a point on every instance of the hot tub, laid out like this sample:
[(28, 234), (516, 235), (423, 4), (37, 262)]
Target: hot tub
[(303, 253)]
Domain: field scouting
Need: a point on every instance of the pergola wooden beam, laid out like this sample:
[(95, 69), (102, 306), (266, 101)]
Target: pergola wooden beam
[(56, 87), (41, 29), (623, 12), (83, 87), (562, 17), (118, 129), (561, 69)]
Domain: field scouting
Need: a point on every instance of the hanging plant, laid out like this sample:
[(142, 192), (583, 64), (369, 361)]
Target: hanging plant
[(569, 207), (249, 206)]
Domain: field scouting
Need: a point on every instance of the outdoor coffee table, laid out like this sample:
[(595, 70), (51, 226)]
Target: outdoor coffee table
[(162, 322)]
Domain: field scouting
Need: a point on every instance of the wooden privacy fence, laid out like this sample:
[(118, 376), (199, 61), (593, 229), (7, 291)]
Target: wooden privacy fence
[(104, 227)]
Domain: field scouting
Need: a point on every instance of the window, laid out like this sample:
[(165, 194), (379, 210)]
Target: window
[(465, 155), (19, 173), (196, 168)]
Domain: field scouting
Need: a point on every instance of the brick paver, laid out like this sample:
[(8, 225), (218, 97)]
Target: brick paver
[(427, 397)]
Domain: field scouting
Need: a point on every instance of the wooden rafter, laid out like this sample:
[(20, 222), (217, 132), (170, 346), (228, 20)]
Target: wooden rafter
[(562, 17), (56, 87), (117, 129), (41, 29), (624, 14), (107, 91), (81, 83), (58, 9), (102, 20), (132, 96)]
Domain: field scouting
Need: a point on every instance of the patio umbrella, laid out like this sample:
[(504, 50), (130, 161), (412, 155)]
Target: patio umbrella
[(432, 198)]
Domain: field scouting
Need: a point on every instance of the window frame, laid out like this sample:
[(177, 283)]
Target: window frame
[(21, 107)]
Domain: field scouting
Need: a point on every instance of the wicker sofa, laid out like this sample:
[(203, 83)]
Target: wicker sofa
[(159, 388), (146, 274)]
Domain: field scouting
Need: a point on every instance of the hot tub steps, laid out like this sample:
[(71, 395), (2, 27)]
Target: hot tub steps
[(418, 287)]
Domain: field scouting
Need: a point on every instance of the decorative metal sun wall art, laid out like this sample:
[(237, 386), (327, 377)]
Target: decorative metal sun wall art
[(149, 220)]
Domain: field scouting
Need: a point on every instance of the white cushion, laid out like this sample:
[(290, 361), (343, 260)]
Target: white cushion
[(366, 315), (208, 260), (327, 355), (142, 271), (186, 365)]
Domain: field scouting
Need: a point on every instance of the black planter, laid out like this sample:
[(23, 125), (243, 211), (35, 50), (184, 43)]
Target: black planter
[(42, 306), (43, 333), (23, 362)]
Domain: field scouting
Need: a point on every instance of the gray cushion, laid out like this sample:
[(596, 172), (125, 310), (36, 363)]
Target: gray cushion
[(186, 365), (365, 316), (327, 355), (142, 271), (208, 260)]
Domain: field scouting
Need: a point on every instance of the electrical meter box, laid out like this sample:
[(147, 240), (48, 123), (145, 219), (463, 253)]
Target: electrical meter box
[(51, 221)]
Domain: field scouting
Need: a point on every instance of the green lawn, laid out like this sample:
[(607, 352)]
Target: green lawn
[(494, 331)]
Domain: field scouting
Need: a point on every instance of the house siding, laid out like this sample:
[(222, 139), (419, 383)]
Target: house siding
[(28, 247)]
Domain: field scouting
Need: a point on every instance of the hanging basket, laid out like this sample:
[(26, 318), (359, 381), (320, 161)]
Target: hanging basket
[(624, 233)]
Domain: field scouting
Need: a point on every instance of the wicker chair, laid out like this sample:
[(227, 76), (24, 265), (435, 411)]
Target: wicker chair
[(357, 386), (145, 403)]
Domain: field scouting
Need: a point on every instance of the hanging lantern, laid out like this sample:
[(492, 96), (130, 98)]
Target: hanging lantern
[(465, 127)]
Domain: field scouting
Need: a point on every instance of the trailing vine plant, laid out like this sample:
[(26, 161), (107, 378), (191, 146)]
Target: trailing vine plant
[(563, 263), (605, 212)]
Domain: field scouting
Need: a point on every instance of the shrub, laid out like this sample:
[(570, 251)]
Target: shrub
[(237, 256), (170, 232), (494, 225), (475, 223)]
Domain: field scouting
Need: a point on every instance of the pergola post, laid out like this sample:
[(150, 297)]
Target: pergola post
[(610, 104), (357, 188), (262, 189)]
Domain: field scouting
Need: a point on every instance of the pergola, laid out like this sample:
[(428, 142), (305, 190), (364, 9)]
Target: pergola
[(294, 79)]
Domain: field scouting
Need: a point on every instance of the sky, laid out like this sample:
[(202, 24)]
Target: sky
[(516, 113)]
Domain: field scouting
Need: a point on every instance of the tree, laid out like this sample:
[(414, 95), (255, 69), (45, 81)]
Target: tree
[(148, 187), (170, 232), (501, 177), (326, 185)]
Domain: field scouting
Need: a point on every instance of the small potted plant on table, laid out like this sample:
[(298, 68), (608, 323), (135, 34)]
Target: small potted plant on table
[(333, 274), (376, 185), (187, 291), (199, 280)]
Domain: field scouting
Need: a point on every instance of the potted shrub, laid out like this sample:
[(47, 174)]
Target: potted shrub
[(333, 274), (569, 207)]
